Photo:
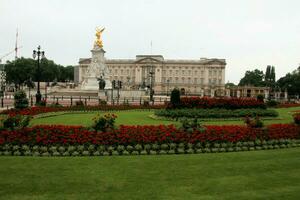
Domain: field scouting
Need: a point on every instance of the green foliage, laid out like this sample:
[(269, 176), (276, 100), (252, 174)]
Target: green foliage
[(21, 100), (104, 123), (189, 126), (214, 113), (175, 97), (253, 78), (291, 82), (23, 69), (272, 103), (254, 123), (15, 122)]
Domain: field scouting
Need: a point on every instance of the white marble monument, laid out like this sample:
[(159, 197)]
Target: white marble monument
[(97, 69)]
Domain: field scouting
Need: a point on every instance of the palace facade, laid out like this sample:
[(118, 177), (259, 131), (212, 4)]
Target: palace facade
[(204, 77)]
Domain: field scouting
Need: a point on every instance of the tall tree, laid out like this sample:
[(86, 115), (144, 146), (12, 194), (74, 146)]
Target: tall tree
[(253, 78)]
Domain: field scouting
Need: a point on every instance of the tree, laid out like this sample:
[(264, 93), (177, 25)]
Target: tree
[(253, 78), (18, 71), (270, 77), (175, 98), (21, 100), (291, 82), (24, 69)]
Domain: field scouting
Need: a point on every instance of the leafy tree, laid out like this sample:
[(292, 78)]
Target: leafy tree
[(18, 71), (291, 82), (21, 100), (253, 78), (270, 77), (175, 98)]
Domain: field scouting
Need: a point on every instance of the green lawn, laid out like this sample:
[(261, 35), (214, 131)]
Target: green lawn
[(270, 174), (142, 117)]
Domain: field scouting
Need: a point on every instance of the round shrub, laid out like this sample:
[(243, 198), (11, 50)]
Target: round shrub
[(147, 147), (91, 147), (190, 151), (80, 148), (171, 151), (25, 148), (15, 148), (270, 147), (251, 148), (214, 150), (115, 153), (138, 147), (105, 153), (164, 147), (61, 149), (155, 147), (134, 153), (66, 153), (207, 150), (224, 145), (276, 146), (251, 144), (36, 153), (265, 147), (7, 153), (199, 150), (85, 153), (125, 153), (46, 154), (101, 148), (143, 152), (53, 149), (207, 145), (162, 152), (152, 152), (35, 148), (180, 151), (190, 146), (7, 147), (283, 146), (198, 145), (120, 148), (245, 148), (56, 153), (75, 153), (43, 149), (173, 146), (258, 148), (222, 150), (110, 149), (239, 144), (237, 148), (129, 148), (96, 153), (28, 153), (17, 153), (21, 100), (181, 145), (71, 149), (230, 149)]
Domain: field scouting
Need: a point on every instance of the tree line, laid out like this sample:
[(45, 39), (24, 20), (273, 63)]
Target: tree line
[(257, 78), (23, 71)]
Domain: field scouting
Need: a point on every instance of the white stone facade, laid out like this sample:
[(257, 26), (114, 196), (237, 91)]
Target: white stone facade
[(205, 77)]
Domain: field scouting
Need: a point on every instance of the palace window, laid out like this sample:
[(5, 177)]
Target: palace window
[(215, 73), (209, 72), (195, 80), (170, 72), (202, 80)]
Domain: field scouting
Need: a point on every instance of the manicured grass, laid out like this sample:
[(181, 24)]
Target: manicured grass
[(270, 174), (142, 117)]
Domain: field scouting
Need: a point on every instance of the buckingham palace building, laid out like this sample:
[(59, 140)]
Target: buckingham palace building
[(203, 76)]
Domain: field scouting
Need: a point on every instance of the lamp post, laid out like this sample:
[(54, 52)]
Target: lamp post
[(151, 73), (39, 54), (168, 85)]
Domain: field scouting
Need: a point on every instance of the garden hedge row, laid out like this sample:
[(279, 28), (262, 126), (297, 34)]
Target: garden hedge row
[(147, 149), (214, 113)]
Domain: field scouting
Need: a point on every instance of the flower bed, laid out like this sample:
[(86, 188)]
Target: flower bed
[(131, 135), (39, 109), (214, 113), (227, 103), (76, 140)]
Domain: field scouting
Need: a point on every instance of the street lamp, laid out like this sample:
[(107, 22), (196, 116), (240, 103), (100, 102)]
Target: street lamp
[(39, 54), (168, 85), (151, 80)]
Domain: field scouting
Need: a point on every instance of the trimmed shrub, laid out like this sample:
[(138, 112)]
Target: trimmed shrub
[(21, 100)]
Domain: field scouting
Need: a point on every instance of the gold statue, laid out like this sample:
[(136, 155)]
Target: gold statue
[(98, 41)]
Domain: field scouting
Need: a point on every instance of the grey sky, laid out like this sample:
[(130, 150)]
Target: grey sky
[(249, 34)]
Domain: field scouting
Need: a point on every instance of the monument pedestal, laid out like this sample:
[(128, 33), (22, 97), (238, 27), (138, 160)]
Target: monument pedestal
[(91, 83)]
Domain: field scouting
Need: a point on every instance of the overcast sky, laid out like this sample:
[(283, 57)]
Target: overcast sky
[(249, 34)]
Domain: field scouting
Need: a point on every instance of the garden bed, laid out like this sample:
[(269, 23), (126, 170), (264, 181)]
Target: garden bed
[(214, 113)]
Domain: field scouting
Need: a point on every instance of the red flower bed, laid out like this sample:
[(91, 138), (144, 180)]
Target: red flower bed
[(125, 135), (297, 118), (229, 103), (39, 110)]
